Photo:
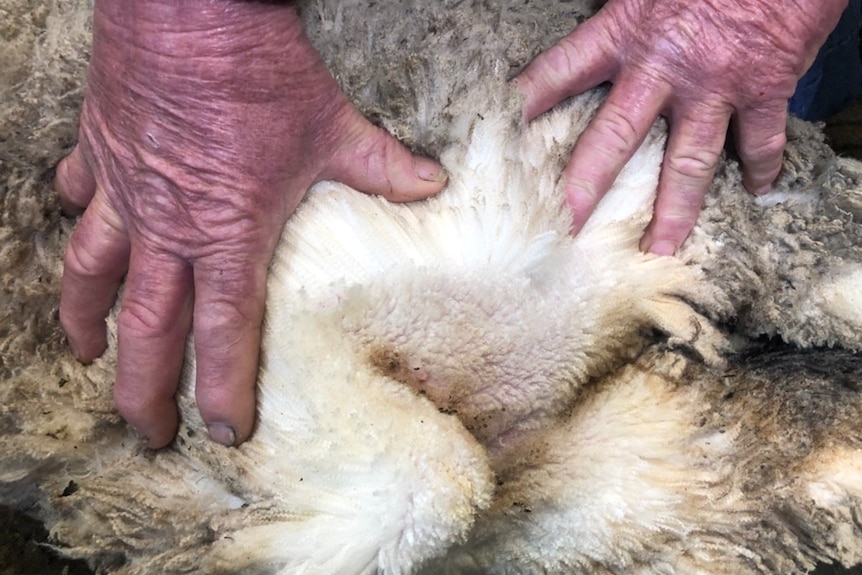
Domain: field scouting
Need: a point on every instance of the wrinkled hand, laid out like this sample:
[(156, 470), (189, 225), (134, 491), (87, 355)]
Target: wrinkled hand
[(701, 64), (204, 124)]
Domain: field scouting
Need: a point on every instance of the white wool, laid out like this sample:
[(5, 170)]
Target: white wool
[(463, 297), (778, 197), (841, 296)]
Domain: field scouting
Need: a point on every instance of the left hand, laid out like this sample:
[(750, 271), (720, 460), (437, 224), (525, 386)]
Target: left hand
[(701, 64)]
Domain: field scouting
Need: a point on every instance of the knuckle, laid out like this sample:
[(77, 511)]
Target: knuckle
[(619, 133), (231, 292), (697, 164), (769, 149), (143, 319), (557, 60), (223, 324), (581, 192), (79, 261), (224, 315)]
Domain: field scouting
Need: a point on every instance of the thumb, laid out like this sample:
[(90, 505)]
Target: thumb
[(372, 161)]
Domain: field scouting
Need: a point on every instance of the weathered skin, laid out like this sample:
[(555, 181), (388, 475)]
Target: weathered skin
[(702, 65), (167, 83), (67, 458), (203, 126)]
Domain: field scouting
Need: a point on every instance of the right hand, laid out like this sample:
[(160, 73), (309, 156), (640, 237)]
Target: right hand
[(203, 125)]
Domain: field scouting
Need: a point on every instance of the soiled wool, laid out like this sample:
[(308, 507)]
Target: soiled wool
[(458, 385)]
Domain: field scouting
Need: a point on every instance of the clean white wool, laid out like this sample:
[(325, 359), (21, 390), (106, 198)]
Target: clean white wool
[(422, 385), (478, 303)]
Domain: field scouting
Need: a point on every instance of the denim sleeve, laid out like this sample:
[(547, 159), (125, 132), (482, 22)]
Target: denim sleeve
[(835, 78)]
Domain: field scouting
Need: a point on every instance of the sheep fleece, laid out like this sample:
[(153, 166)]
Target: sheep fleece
[(458, 385)]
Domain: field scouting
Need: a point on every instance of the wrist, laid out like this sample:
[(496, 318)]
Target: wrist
[(218, 47), (172, 33)]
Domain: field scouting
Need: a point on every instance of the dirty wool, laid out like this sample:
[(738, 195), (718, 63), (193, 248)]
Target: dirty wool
[(458, 385)]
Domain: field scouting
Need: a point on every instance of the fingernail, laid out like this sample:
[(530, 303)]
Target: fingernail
[(762, 190), (223, 434), (429, 170), (662, 248)]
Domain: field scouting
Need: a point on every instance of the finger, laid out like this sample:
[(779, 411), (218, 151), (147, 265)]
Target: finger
[(94, 264), (74, 181), (229, 304), (694, 148), (373, 161), (580, 61), (760, 140), (152, 327), (612, 137)]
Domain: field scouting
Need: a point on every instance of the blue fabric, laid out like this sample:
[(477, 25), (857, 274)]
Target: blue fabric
[(835, 78)]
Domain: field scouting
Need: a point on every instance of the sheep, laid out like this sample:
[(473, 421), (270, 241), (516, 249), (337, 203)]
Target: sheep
[(459, 385)]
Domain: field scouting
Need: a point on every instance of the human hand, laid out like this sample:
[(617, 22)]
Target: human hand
[(203, 125), (702, 64)]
